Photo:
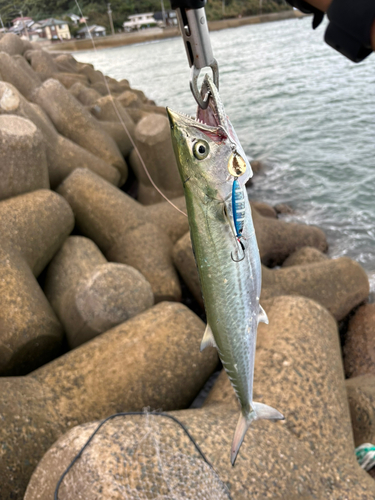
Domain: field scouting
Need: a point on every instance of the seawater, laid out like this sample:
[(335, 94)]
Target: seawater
[(294, 102)]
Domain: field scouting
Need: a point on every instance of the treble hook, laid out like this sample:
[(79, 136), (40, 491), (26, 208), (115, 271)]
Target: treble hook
[(243, 250)]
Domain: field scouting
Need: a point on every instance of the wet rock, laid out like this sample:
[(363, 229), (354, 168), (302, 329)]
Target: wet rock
[(361, 397), (338, 284), (132, 448), (119, 135), (303, 256), (14, 73), (63, 155), (120, 227), (90, 295), (84, 94), (32, 228), (278, 239), (109, 109), (183, 259), (152, 360), (153, 139), (298, 370), (359, 355), (42, 62), (23, 164), (264, 209), (69, 79), (77, 124), (12, 44)]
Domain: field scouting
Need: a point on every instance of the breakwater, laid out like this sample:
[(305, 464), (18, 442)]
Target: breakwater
[(153, 34)]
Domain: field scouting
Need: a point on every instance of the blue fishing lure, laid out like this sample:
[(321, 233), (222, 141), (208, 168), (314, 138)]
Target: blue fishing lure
[(238, 208)]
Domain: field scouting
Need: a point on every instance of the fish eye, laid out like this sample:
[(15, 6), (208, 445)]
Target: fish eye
[(201, 150)]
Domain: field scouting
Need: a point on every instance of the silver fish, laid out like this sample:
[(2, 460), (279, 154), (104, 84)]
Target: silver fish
[(210, 160)]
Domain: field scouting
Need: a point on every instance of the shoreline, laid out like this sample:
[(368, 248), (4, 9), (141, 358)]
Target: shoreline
[(155, 34)]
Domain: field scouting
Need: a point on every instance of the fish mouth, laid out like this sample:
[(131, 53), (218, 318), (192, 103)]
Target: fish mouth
[(211, 120)]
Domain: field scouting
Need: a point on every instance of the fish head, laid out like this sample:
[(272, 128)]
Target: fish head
[(208, 152)]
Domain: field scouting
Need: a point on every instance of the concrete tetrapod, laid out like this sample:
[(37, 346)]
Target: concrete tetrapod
[(123, 231), (340, 285), (361, 397), (42, 63), (109, 109), (359, 356), (152, 360), (32, 227), (12, 44), (12, 71), (23, 164), (298, 369), (124, 457), (305, 255), (63, 155), (66, 63), (73, 121), (278, 239), (91, 295), (153, 140), (85, 95)]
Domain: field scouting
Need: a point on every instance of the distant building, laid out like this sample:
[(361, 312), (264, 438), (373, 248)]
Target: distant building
[(91, 31), (21, 21), (139, 21), (170, 18), (54, 29), (21, 26)]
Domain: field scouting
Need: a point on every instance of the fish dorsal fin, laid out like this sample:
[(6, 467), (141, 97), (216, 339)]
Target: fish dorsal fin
[(208, 338), (262, 316)]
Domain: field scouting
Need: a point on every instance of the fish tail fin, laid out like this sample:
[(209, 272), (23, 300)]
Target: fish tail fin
[(259, 411)]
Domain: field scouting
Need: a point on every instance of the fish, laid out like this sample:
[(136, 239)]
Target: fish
[(214, 170)]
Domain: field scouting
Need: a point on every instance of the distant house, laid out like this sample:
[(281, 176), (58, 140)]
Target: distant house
[(170, 18), (21, 21), (91, 31), (21, 25), (54, 29), (139, 21)]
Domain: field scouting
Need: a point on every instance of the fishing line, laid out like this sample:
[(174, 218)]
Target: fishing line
[(138, 413), (123, 123)]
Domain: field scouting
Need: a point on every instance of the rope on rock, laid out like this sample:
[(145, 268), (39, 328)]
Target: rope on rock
[(144, 414)]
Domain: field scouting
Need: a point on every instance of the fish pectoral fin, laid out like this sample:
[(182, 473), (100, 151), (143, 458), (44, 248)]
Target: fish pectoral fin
[(208, 338), (264, 412), (262, 316)]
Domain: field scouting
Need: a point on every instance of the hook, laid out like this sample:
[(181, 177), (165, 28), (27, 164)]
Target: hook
[(243, 250)]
